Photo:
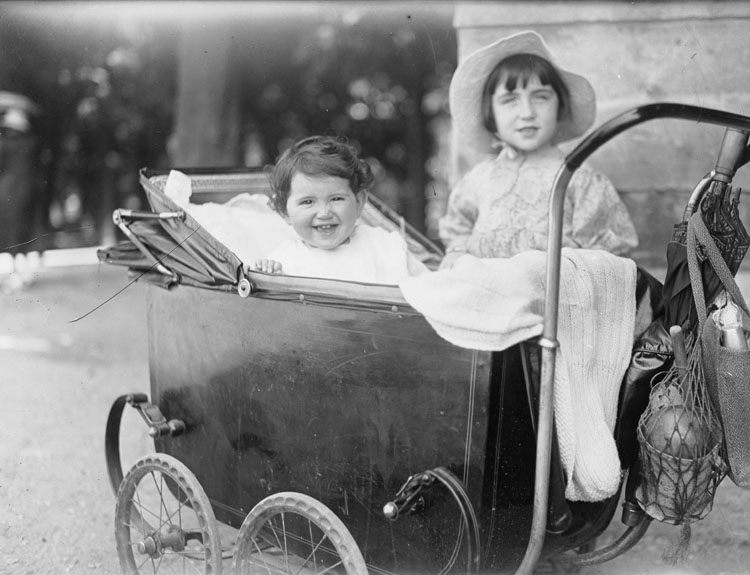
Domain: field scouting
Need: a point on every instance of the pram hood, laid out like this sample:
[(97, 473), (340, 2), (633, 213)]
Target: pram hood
[(195, 257)]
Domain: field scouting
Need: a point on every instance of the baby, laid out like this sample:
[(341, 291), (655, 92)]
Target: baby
[(319, 186)]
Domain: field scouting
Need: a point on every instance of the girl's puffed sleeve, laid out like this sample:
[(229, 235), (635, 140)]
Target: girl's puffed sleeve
[(600, 219), (456, 225)]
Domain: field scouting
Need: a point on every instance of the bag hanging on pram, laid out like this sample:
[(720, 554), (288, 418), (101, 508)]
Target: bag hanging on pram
[(680, 442), (725, 353)]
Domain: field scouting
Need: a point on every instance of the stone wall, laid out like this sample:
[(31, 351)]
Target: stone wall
[(638, 53)]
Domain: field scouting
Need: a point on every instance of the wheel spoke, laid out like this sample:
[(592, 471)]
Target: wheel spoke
[(315, 560), (269, 541), (168, 520), (141, 510), (286, 550), (145, 560), (163, 507), (312, 553), (140, 515), (275, 535), (260, 552), (161, 495), (328, 569)]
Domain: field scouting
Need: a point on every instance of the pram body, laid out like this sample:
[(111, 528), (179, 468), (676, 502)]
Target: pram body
[(344, 393)]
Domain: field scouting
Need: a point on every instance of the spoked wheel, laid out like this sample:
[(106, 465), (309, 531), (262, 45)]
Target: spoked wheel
[(292, 533), (164, 522)]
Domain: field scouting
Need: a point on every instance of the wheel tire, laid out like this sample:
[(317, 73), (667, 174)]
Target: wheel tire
[(164, 522), (293, 533)]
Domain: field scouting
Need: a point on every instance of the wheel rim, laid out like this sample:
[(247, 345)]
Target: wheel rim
[(164, 522), (291, 533)]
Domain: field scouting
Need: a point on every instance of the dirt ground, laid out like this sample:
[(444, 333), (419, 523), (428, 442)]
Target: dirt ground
[(59, 380)]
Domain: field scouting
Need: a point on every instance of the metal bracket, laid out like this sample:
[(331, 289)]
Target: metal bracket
[(409, 497), (122, 218), (158, 425)]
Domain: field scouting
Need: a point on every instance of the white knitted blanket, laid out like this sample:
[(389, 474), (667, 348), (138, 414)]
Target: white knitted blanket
[(492, 304)]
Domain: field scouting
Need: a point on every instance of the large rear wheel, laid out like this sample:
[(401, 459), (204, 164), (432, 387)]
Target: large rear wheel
[(291, 533), (164, 522)]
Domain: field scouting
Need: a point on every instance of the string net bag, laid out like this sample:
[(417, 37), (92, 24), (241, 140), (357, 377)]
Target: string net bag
[(681, 445)]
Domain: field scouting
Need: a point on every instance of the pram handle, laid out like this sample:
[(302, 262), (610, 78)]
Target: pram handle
[(730, 154), (549, 342), (588, 146)]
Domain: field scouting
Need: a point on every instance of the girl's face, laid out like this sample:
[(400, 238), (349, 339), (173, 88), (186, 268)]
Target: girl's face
[(323, 210), (526, 118)]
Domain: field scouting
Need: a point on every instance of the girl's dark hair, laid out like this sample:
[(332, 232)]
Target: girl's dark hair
[(518, 69), (317, 156)]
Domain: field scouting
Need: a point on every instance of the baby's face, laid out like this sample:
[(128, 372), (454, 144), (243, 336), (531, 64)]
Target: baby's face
[(323, 210), (526, 118)]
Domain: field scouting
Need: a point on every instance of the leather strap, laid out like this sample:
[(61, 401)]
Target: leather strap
[(698, 234)]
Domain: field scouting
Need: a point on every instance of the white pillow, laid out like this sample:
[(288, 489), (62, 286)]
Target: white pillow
[(245, 224)]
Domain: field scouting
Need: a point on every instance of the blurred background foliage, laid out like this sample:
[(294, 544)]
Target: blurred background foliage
[(105, 79)]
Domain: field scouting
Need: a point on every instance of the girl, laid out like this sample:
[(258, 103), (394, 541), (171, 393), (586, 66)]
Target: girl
[(319, 186), (510, 95)]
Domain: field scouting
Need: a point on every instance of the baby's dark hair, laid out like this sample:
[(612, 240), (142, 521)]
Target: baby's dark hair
[(518, 69), (317, 156)]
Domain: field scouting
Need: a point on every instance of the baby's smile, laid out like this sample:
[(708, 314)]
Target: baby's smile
[(326, 229)]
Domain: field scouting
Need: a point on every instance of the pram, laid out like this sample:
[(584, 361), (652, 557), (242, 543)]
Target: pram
[(331, 425)]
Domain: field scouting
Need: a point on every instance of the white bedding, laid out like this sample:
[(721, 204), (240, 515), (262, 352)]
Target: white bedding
[(492, 304), (245, 224)]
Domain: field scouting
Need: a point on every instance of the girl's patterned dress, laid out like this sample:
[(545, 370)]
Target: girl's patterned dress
[(501, 207)]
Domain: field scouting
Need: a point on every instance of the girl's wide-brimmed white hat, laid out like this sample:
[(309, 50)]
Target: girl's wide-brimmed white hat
[(471, 75)]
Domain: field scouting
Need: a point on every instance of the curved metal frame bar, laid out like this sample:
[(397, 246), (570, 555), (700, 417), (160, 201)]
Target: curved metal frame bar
[(456, 488), (112, 438), (626, 541), (153, 418), (572, 162)]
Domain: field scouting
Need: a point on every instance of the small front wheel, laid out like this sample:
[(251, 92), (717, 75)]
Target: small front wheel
[(164, 522), (293, 533)]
